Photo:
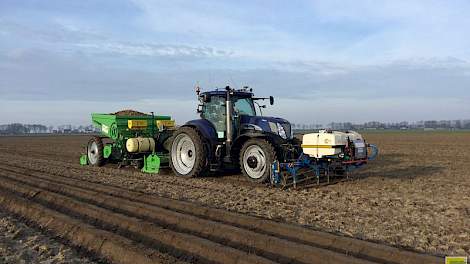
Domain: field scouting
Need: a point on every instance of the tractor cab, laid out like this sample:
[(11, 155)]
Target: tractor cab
[(233, 113), (231, 131), (213, 108)]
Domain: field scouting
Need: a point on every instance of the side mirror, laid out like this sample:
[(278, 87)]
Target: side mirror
[(271, 100), (199, 109)]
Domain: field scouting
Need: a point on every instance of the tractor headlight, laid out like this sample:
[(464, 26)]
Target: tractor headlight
[(281, 131)]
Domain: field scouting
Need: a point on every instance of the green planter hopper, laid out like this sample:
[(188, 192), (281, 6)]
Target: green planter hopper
[(115, 126), (130, 138)]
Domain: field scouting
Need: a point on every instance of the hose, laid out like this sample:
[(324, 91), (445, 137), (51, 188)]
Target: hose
[(375, 152)]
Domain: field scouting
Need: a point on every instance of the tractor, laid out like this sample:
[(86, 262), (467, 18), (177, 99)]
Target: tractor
[(230, 131)]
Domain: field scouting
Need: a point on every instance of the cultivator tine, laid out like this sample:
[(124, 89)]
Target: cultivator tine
[(302, 174), (296, 179)]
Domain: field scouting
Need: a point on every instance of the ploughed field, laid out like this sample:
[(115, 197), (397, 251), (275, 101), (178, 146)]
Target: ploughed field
[(414, 196)]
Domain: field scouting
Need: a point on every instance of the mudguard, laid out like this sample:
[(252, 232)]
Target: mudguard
[(274, 139), (207, 130)]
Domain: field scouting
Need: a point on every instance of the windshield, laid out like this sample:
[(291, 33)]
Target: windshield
[(244, 106)]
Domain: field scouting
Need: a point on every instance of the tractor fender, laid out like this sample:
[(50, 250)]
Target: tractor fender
[(275, 140), (208, 132)]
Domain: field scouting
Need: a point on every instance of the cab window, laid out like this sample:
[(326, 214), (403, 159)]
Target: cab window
[(214, 111), (244, 106)]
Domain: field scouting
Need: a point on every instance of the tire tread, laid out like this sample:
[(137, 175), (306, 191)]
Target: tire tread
[(201, 153), (99, 142), (269, 151)]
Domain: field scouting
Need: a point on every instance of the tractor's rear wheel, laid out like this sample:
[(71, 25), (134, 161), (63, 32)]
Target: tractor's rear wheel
[(95, 152), (256, 157), (188, 153)]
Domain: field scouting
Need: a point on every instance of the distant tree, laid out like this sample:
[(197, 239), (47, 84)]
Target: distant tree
[(16, 129)]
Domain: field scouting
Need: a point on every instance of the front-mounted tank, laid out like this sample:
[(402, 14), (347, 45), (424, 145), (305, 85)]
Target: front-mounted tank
[(130, 138)]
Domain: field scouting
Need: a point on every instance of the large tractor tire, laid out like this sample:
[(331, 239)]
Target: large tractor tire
[(188, 155), (95, 152), (256, 157)]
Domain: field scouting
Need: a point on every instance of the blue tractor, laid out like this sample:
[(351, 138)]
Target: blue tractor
[(230, 131)]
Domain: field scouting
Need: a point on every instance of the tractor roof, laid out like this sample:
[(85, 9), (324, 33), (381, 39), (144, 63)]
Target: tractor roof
[(239, 93)]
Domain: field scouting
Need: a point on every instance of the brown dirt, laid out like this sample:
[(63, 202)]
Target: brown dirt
[(112, 247), (415, 195), (129, 112), (21, 244), (216, 225)]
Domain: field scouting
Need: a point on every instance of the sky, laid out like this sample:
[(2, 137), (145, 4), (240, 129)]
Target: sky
[(323, 61)]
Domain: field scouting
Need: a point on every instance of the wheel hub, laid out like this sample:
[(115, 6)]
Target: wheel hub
[(93, 153), (252, 162), (182, 156)]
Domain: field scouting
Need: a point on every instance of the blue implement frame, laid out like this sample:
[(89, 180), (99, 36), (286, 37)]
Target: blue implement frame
[(306, 168)]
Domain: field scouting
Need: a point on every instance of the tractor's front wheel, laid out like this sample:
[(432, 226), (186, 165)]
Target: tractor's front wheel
[(188, 154), (95, 152), (256, 157)]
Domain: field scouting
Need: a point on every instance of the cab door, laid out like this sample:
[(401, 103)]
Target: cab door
[(215, 112)]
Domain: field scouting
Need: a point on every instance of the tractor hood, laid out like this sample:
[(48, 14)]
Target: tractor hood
[(276, 125)]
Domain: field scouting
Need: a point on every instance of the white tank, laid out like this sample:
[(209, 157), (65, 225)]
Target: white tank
[(354, 136), (140, 144), (327, 143)]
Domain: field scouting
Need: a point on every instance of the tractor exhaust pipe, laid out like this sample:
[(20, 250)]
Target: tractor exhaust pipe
[(228, 107)]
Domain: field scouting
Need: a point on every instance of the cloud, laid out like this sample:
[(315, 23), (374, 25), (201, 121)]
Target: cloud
[(52, 76), (214, 19), (243, 28), (47, 32), (403, 29), (152, 50), (359, 58), (69, 38)]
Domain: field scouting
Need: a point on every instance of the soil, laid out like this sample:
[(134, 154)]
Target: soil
[(415, 195), (129, 112), (20, 243)]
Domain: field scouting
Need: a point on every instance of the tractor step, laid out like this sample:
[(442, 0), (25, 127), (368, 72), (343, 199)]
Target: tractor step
[(214, 167)]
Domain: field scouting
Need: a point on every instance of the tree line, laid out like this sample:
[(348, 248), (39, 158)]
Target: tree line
[(428, 124), (17, 129)]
